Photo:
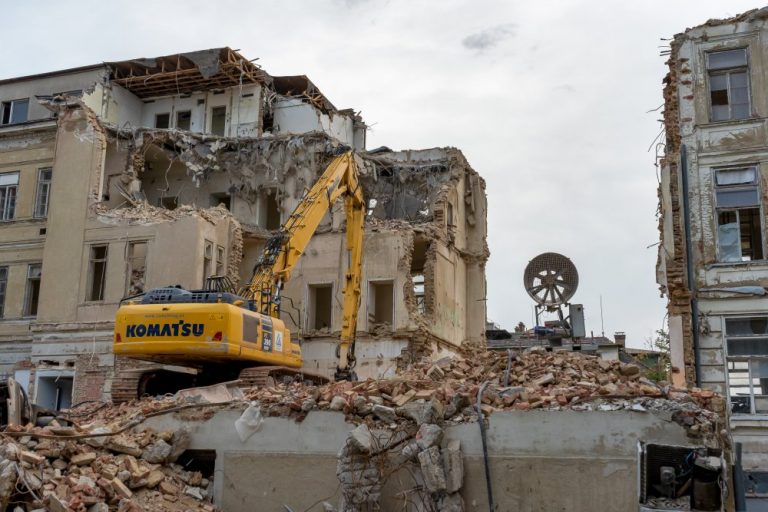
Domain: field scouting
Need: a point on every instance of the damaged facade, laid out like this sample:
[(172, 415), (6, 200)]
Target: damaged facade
[(713, 202), (124, 176)]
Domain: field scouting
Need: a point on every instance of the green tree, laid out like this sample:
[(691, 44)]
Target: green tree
[(658, 364)]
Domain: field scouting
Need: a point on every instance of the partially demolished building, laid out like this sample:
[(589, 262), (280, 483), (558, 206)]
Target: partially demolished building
[(123, 176), (712, 262)]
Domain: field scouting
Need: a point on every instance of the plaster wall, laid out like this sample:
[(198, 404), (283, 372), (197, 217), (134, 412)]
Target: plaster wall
[(47, 86), (529, 451), (291, 115)]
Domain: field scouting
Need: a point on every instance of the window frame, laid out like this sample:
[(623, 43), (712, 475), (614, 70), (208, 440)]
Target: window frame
[(727, 71), (224, 125), (130, 259), (10, 104), (40, 182), (756, 184), (3, 288), (168, 122), (92, 261), (749, 359), (28, 292), (4, 198), (176, 119), (208, 260)]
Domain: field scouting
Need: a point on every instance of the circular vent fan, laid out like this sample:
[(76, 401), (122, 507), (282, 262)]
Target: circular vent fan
[(551, 279)]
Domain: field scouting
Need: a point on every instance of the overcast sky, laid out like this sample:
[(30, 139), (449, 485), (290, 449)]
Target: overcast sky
[(548, 101)]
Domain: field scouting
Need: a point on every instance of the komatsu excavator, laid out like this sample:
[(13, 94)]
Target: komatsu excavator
[(218, 335)]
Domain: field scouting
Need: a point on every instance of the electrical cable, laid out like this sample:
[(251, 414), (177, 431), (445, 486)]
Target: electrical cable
[(481, 422)]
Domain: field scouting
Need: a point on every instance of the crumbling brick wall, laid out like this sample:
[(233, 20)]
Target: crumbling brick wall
[(675, 285)]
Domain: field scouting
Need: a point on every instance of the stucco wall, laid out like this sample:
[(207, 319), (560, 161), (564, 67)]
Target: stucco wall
[(564, 460)]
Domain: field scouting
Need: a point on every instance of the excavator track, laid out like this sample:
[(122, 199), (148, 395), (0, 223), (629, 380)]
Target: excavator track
[(268, 376)]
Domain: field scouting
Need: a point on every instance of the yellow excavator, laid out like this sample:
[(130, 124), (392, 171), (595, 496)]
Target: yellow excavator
[(218, 335)]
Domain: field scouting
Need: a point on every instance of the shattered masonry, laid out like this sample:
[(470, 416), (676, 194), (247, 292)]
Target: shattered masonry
[(402, 438)]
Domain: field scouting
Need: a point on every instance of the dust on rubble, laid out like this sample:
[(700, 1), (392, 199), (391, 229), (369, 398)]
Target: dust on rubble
[(104, 457)]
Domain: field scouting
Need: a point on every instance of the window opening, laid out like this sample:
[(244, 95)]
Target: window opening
[(169, 203), (220, 261), (97, 272), (207, 260), (43, 193), (320, 306), (15, 111), (381, 307), (32, 293), (162, 120), (9, 183), (184, 120), (739, 226), (418, 262), (218, 120), (54, 392), (137, 268), (747, 364), (3, 288), (225, 199), (729, 84)]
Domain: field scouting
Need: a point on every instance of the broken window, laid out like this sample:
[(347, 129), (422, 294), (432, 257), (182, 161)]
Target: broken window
[(320, 306), (449, 215), (381, 303), (15, 111), (97, 273), (739, 231), (137, 268), (729, 84), (32, 292), (418, 262), (269, 210), (747, 360), (184, 120), (9, 183), (3, 287), (54, 392), (207, 260), (169, 203), (218, 120), (220, 261), (225, 199), (43, 193), (163, 120)]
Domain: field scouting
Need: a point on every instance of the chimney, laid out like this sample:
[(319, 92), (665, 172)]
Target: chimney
[(619, 338)]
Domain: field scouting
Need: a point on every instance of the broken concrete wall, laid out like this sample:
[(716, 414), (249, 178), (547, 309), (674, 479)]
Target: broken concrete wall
[(293, 116), (573, 448)]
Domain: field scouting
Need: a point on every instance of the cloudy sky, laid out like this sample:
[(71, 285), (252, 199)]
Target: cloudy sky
[(549, 101)]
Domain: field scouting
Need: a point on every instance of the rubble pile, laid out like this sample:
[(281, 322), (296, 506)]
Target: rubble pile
[(107, 458), (446, 391), (88, 468)]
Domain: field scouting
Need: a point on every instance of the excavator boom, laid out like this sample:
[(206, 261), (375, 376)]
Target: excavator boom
[(283, 250)]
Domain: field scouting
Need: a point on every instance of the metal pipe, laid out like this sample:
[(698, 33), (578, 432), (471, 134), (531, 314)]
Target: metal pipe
[(689, 264), (739, 492), (481, 421)]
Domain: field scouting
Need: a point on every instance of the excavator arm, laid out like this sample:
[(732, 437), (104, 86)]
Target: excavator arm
[(285, 248)]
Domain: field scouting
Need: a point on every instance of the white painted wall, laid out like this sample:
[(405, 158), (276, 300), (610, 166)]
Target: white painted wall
[(291, 115)]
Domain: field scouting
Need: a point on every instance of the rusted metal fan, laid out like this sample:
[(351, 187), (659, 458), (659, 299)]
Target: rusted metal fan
[(551, 279)]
